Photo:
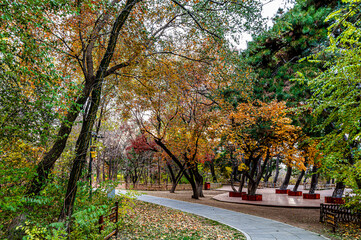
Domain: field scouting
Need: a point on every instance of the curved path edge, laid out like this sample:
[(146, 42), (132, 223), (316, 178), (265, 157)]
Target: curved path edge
[(253, 227)]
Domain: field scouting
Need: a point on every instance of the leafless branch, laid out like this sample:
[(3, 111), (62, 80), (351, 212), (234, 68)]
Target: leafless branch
[(180, 55), (195, 20)]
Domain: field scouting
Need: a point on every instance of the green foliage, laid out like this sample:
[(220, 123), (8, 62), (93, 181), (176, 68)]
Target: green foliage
[(42, 211), (274, 54), (336, 98), (30, 84)]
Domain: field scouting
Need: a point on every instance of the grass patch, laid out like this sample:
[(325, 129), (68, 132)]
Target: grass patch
[(151, 221)]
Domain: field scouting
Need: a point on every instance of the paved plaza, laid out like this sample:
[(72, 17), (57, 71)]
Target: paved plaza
[(269, 198)]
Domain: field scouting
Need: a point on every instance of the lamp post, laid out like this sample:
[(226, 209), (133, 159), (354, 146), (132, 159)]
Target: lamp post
[(92, 155)]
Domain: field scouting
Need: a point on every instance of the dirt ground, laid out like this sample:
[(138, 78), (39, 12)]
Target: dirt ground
[(303, 218)]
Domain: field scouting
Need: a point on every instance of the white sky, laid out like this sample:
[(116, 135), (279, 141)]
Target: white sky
[(269, 10)]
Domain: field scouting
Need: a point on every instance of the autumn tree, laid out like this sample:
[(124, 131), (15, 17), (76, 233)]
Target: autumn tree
[(139, 154), (257, 132), (84, 37), (177, 114)]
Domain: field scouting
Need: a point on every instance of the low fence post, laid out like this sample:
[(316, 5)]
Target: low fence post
[(116, 218), (101, 223)]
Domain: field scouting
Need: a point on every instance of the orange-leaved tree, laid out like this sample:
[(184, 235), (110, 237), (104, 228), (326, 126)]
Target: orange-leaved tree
[(258, 132)]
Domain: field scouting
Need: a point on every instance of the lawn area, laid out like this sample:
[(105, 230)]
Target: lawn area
[(150, 221)]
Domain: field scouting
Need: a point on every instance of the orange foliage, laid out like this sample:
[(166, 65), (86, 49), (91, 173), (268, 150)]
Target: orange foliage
[(257, 129)]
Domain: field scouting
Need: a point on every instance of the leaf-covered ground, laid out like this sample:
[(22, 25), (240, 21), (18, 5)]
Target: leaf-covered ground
[(150, 221)]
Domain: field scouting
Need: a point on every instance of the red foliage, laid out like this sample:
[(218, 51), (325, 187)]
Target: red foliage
[(142, 144)]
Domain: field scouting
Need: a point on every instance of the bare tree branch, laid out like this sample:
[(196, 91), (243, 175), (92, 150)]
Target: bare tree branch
[(195, 20)]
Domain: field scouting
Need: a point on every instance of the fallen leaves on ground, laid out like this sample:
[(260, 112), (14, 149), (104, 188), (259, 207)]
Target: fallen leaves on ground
[(151, 221)]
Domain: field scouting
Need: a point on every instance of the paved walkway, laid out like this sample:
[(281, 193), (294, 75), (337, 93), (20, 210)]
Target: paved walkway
[(255, 228)]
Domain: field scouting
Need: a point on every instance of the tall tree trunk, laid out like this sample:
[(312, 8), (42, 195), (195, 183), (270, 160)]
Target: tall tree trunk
[(47, 163), (80, 157), (234, 171), (110, 169), (97, 169), (314, 180), (103, 168), (299, 179), (268, 172), (83, 139), (287, 178), (170, 170), (339, 189)]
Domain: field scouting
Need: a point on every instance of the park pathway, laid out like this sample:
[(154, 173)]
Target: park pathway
[(255, 228)]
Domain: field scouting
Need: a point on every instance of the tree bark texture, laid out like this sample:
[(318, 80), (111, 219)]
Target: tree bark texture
[(299, 179), (339, 189), (256, 179), (80, 157), (277, 170), (175, 179), (314, 180), (286, 181)]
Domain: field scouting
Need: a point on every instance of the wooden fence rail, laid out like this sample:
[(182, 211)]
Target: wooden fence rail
[(333, 214), (112, 217)]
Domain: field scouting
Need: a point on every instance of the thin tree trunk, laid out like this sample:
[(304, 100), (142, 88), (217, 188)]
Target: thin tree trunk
[(241, 183), (97, 168), (233, 174), (110, 169), (80, 158), (277, 170), (306, 176), (299, 179), (314, 180), (103, 167), (287, 178), (176, 180), (213, 172), (234, 171), (268, 172)]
